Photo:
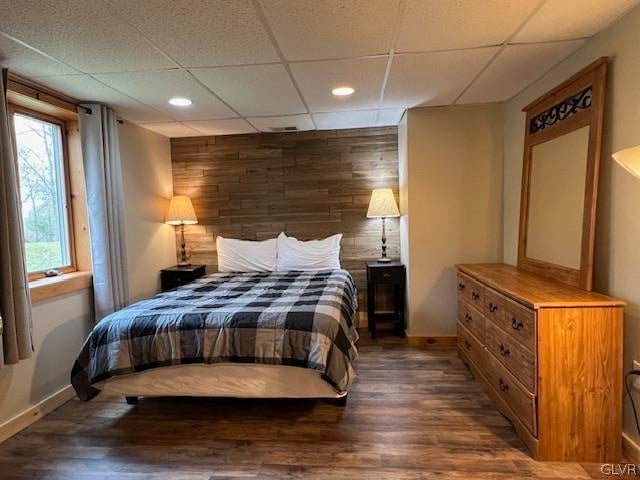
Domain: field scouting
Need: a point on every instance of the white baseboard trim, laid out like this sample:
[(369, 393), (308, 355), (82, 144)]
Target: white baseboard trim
[(21, 421), (630, 449)]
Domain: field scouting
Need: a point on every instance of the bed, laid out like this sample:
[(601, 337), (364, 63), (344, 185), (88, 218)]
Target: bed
[(256, 335)]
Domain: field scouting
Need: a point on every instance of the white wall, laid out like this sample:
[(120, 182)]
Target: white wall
[(60, 326), (451, 202), (148, 186), (617, 259)]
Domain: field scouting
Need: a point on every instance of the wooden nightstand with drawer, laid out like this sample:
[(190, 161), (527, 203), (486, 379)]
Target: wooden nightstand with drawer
[(390, 274), (174, 277)]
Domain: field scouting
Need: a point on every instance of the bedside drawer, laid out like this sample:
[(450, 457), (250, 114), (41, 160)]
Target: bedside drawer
[(471, 319), (517, 359), (175, 277), (387, 275), (521, 401), (471, 291)]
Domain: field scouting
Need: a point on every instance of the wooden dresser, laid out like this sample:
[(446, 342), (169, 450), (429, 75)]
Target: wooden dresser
[(549, 355)]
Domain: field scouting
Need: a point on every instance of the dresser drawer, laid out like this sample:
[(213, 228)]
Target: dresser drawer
[(494, 306), (471, 291), (521, 402), (513, 318), (521, 324), (517, 359), (470, 346), (471, 318)]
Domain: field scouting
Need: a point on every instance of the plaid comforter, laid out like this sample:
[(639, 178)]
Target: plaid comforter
[(303, 319)]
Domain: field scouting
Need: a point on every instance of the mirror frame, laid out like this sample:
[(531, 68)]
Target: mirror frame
[(576, 103)]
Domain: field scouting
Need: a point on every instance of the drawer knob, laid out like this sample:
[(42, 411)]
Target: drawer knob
[(386, 275), (504, 350), (516, 324), (461, 286), (475, 295), (468, 317), (503, 385), (493, 307), (467, 345)]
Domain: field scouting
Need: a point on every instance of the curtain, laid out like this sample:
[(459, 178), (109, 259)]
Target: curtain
[(16, 341), (103, 176)]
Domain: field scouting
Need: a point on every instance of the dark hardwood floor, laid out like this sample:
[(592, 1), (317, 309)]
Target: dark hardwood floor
[(412, 414)]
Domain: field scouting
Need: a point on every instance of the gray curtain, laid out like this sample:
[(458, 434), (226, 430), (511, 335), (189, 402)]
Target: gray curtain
[(103, 176), (15, 302)]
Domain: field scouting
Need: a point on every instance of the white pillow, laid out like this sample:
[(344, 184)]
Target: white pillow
[(312, 255), (245, 255)]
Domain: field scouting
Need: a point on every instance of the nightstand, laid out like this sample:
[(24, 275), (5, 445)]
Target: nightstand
[(392, 274), (174, 277)]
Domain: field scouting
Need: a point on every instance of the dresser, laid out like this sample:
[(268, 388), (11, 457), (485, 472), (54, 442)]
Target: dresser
[(549, 355)]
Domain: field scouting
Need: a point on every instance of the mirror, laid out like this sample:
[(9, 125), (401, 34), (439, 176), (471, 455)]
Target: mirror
[(562, 145), (556, 198)]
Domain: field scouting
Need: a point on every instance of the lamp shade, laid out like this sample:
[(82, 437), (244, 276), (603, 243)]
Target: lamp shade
[(382, 204), (181, 212), (629, 158)]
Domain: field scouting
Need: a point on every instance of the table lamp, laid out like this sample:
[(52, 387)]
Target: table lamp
[(181, 213), (383, 205)]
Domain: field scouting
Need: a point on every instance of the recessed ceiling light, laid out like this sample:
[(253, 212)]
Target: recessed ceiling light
[(180, 102), (342, 91)]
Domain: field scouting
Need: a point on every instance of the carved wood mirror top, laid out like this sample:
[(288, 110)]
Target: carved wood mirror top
[(562, 143)]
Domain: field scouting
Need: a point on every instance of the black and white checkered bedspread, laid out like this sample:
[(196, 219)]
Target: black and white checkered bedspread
[(303, 319)]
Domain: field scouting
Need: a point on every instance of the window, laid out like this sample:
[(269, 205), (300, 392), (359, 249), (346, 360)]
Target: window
[(44, 190)]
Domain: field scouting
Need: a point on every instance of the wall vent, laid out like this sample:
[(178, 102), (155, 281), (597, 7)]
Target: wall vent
[(285, 129)]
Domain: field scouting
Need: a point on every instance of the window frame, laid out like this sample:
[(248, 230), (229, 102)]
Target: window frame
[(12, 110)]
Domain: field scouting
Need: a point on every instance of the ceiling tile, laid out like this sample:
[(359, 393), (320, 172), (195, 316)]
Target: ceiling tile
[(317, 79), (87, 89), (312, 29), (229, 126), (515, 68), (389, 116), (562, 20), (335, 120), (27, 62), (432, 79), (201, 33), (429, 25), (171, 129), (156, 88), (84, 34), (254, 90), (265, 124)]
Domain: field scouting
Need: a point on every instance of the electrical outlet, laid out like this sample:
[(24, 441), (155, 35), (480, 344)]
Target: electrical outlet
[(636, 382)]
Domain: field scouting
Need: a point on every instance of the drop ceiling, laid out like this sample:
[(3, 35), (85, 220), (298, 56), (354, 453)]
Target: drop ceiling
[(258, 65)]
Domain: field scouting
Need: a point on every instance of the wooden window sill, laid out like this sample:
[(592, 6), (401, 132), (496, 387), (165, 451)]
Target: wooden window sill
[(50, 287)]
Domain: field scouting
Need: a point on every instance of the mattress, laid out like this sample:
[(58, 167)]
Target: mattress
[(222, 380), (300, 320)]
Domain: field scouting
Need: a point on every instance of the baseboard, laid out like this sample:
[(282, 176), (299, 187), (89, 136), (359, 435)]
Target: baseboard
[(432, 342), (630, 449), (21, 421)]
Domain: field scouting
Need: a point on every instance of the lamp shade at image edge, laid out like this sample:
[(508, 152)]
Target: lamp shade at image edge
[(181, 212), (382, 204), (629, 159)]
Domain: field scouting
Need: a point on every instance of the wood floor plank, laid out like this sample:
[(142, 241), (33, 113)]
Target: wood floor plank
[(412, 414)]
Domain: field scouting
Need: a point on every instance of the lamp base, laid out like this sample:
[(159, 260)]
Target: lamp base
[(184, 264), (384, 260)]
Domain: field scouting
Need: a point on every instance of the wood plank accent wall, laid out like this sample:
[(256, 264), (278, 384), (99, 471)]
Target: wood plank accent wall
[(308, 184)]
